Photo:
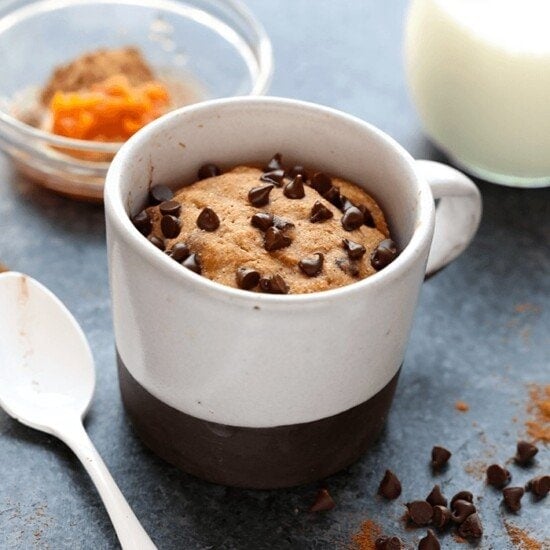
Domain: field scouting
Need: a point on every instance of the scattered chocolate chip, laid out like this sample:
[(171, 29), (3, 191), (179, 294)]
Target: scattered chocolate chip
[(262, 220), (525, 453), (274, 285), (170, 226), (440, 457), (441, 516), (179, 252), (512, 497), (436, 497), (275, 239), (348, 267), (384, 254), (247, 278), (298, 170), (352, 219), (208, 171), (388, 543), (312, 266), (333, 196), (208, 220), (420, 512), (462, 495), (320, 213), (170, 208), (159, 243), (259, 196), (160, 193), (368, 220), (142, 222), (275, 163), (471, 527), (355, 250), (321, 183), (390, 486), (323, 502), (497, 476), (282, 223), (193, 263), (275, 177), (461, 510), (294, 189), (429, 542), (539, 486)]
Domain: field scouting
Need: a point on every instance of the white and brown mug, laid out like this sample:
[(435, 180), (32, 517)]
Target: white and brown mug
[(261, 390)]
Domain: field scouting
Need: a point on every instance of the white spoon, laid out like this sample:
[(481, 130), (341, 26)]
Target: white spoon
[(47, 381)]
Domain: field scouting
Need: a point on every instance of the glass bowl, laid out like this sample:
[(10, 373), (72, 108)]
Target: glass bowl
[(215, 46)]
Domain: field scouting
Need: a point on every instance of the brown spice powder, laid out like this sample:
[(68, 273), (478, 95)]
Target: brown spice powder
[(366, 537), (520, 539), (3, 268), (538, 426), (462, 406)]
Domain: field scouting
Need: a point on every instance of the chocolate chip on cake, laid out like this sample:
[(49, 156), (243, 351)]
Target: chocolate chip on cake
[(384, 254), (388, 543), (333, 196), (208, 171), (368, 220), (462, 495), (352, 219), (275, 239), (275, 163), (170, 226), (512, 497), (208, 220), (247, 278), (525, 453), (461, 510), (390, 486), (440, 457), (436, 497), (274, 285), (321, 183), (539, 486), (298, 170), (355, 250), (142, 222), (170, 208), (429, 542), (275, 177), (345, 203), (159, 243), (420, 512), (160, 193), (497, 476), (179, 252), (323, 502), (348, 267), (294, 189), (312, 266), (441, 516), (471, 527), (262, 220), (193, 263), (282, 223), (259, 196), (320, 213)]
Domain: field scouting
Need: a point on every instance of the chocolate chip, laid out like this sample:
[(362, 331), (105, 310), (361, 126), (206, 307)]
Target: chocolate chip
[(282, 223), (512, 497), (440, 457), (262, 220), (348, 267), (159, 243), (274, 285), (275, 239), (298, 170), (352, 219), (333, 196), (320, 213), (355, 250), (461, 510), (321, 183), (346, 204), (179, 252), (497, 476), (193, 263), (368, 220), (312, 266), (160, 193), (462, 495), (323, 502), (170, 226), (208, 171), (420, 512), (208, 220), (539, 486), (384, 254), (259, 196), (525, 453), (436, 497), (247, 278), (441, 516), (471, 527), (388, 543), (390, 486), (294, 189), (170, 208), (429, 542), (275, 163), (275, 177), (142, 222)]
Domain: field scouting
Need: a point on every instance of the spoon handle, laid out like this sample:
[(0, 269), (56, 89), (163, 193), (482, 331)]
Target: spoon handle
[(131, 534)]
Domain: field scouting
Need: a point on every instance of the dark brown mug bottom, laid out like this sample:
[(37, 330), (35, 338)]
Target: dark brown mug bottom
[(259, 458)]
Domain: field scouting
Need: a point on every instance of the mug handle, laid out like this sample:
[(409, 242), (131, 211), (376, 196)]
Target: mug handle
[(457, 213)]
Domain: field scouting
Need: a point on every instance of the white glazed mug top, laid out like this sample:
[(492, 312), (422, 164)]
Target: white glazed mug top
[(255, 360)]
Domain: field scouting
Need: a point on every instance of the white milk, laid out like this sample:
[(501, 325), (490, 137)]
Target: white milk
[(479, 73)]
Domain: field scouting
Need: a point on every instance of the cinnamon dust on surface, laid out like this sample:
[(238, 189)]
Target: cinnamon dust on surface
[(538, 425), (521, 539), (366, 537), (462, 406)]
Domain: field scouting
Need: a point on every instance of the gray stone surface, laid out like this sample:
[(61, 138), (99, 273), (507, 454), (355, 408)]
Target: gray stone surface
[(471, 342)]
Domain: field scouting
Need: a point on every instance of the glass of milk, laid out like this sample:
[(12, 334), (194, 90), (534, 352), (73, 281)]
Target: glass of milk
[(479, 74)]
